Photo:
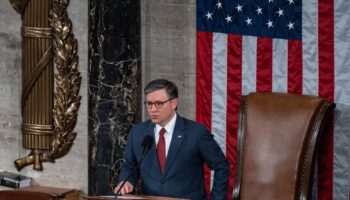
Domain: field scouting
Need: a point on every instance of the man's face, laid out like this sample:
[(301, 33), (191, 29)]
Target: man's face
[(160, 114)]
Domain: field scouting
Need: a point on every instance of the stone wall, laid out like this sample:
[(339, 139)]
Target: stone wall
[(71, 170), (169, 46)]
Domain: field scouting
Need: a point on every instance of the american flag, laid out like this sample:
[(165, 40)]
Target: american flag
[(289, 46)]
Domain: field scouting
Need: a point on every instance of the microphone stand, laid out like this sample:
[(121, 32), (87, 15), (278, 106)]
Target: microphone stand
[(132, 173)]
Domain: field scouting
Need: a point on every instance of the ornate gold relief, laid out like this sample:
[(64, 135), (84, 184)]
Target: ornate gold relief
[(48, 118), (68, 80)]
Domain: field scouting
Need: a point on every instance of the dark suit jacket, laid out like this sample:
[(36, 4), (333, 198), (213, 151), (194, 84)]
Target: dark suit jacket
[(191, 146)]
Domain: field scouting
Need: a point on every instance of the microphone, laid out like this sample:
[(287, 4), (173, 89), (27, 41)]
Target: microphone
[(147, 143)]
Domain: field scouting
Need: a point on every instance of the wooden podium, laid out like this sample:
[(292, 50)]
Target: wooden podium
[(61, 193), (130, 197), (40, 193)]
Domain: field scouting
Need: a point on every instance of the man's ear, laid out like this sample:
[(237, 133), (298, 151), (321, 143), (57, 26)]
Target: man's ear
[(174, 102)]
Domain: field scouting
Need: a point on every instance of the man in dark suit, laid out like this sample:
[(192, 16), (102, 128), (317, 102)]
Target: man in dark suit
[(173, 167)]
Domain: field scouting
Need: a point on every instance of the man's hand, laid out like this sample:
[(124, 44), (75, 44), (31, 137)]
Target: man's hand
[(127, 188)]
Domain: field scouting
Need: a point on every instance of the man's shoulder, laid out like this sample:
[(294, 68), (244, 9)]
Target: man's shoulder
[(140, 130), (191, 124), (143, 125)]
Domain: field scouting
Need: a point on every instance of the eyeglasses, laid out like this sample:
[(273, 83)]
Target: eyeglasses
[(157, 104)]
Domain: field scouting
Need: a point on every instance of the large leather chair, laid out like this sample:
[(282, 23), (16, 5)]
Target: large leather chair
[(25, 195), (277, 139)]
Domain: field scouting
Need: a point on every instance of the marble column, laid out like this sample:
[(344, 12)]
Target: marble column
[(114, 87)]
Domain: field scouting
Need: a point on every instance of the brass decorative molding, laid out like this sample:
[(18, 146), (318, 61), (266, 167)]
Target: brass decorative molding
[(49, 116), (36, 32)]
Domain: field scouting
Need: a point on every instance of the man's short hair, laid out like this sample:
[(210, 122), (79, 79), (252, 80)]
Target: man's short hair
[(158, 84)]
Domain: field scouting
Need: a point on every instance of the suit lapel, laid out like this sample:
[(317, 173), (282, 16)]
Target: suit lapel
[(153, 150), (176, 141)]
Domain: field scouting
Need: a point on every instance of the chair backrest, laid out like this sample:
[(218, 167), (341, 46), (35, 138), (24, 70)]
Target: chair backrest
[(277, 139), (25, 195)]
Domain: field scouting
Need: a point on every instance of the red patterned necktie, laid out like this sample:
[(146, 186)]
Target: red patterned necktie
[(161, 149)]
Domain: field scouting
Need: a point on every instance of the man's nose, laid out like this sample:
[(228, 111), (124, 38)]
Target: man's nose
[(153, 108)]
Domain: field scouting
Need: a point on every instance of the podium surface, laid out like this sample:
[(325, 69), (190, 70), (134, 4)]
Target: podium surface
[(130, 197)]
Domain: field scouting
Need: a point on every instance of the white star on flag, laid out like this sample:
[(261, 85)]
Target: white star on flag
[(259, 10), (228, 19), (219, 4), (239, 8), (280, 12), (249, 21), (290, 25), (269, 24), (209, 15), (290, 1)]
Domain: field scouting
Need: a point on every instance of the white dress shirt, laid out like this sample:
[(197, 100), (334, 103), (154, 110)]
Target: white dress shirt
[(167, 135)]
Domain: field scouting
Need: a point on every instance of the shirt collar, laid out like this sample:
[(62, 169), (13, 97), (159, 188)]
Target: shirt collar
[(169, 127)]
